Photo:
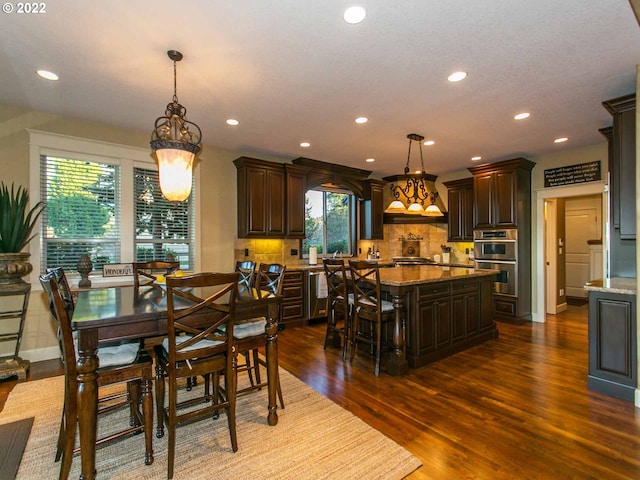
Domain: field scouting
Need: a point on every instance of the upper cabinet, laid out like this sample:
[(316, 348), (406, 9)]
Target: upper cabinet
[(296, 181), (622, 164), (372, 210), (261, 198), (502, 194), (460, 195)]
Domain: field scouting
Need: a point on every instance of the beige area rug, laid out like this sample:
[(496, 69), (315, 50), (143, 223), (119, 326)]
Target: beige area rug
[(314, 439)]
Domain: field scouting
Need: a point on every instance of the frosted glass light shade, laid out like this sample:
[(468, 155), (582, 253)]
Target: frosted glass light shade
[(396, 207), (175, 167), (415, 209), (433, 211)]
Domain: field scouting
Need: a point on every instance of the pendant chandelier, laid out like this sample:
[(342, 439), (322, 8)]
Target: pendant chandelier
[(175, 142), (415, 192)]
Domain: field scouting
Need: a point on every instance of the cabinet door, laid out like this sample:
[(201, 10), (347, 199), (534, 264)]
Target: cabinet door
[(254, 196), (275, 213), (455, 215), (485, 311), (505, 201), (624, 126), (466, 219), (483, 200), (612, 343), (372, 212), (434, 330), (296, 183)]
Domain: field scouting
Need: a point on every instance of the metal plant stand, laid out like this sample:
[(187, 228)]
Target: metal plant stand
[(13, 365)]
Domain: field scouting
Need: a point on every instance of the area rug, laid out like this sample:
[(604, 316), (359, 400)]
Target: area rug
[(314, 439)]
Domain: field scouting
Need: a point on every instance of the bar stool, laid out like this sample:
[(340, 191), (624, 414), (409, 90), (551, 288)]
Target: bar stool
[(339, 304), (370, 309)]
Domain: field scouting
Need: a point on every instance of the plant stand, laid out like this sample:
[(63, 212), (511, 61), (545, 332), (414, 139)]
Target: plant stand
[(13, 365)]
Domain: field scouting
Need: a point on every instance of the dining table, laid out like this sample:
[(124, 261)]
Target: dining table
[(107, 315)]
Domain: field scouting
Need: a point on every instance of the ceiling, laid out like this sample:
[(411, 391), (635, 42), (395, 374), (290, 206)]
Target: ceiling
[(294, 70)]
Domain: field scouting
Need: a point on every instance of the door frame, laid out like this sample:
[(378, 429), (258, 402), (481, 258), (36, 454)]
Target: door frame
[(538, 273)]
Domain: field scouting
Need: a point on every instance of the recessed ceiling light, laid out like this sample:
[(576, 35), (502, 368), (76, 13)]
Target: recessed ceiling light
[(233, 122), (354, 15), (46, 74), (560, 140), (522, 116), (370, 160), (362, 120), (457, 76), (428, 143), (475, 159), (305, 144)]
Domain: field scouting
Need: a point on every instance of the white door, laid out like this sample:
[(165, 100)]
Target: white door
[(580, 225)]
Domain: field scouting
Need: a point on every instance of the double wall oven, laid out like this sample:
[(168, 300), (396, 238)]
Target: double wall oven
[(497, 250)]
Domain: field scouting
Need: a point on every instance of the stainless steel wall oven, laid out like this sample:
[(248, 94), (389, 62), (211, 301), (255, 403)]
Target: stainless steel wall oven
[(497, 250)]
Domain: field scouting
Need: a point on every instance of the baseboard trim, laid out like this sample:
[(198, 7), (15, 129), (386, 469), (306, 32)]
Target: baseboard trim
[(561, 307)]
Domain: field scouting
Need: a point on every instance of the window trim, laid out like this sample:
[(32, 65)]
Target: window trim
[(45, 143)]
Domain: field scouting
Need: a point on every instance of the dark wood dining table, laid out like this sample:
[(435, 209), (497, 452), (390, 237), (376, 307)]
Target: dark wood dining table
[(106, 315)]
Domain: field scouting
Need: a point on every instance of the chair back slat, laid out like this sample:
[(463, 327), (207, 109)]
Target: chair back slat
[(366, 287), (64, 288), (268, 281), (208, 318), (246, 270), (145, 273), (336, 274)]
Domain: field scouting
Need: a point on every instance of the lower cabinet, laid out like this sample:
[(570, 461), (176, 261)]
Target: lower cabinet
[(292, 307), (449, 317), (612, 344)]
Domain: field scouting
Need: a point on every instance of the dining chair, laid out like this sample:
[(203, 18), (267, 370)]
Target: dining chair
[(250, 334), (247, 270), (200, 326), (370, 309), (339, 303), (125, 363), (146, 273)]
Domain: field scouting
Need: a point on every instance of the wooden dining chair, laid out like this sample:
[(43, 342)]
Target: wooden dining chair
[(339, 304), (247, 270), (146, 273), (200, 326), (371, 311), (125, 363), (250, 334)]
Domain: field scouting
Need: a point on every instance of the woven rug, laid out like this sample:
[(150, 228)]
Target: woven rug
[(314, 439)]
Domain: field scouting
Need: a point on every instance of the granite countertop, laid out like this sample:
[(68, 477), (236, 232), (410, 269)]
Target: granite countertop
[(381, 263), (420, 274), (613, 285)]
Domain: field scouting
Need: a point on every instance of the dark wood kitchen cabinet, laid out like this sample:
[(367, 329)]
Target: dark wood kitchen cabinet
[(372, 210), (460, 195), (622, 164), (296, 182), (270, 199), (502, 193), (612, 344), (293, 306)]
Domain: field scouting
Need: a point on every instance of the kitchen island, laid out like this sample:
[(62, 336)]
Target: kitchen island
[(438, 311)]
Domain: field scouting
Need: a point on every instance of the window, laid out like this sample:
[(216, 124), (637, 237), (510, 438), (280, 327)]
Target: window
[(329, 221), (104, 199), (82, 213), (162, 227)]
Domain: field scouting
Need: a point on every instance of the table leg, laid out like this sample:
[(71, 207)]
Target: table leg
[(271, 332), (397, 363), (87, 400)]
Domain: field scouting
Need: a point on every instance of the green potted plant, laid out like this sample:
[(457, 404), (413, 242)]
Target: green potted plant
[(17, 221)]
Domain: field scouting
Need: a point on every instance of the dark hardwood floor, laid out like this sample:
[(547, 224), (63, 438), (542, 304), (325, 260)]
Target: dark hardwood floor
[(514, 408)]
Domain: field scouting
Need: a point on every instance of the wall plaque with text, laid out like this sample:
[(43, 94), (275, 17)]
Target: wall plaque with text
[(117, 269), (581, 173)]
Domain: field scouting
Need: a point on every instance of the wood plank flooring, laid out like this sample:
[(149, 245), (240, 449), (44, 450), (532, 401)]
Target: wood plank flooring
[(516, 407)]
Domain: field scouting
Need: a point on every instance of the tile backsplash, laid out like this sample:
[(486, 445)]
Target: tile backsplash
[(432, 236)]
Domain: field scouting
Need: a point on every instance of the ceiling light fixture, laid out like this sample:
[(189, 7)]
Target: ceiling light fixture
[(475, 159), (428, 143), (457, 76), (354, 15), (521, 116), (175, 142), (415, 190), (305, 144), (362, 120), (370, 160), (560, 140), (233, 122), (47, 75)]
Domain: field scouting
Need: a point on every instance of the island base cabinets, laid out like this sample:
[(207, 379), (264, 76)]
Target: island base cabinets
[(612, 344), (447, 317)]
